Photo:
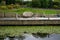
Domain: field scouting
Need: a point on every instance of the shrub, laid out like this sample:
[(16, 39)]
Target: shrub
[(16, 6), (13, 6), (10, 6), (3, 7), (55, 6)]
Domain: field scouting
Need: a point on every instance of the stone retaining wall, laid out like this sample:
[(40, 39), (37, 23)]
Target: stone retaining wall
[(24, 22), (28, 22)]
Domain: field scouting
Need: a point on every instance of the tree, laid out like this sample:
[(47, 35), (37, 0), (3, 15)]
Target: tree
[(50, 3), (36, 3), (10, 1), (42, 3), (0, 1)]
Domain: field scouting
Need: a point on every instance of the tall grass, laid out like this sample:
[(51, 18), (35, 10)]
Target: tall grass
[(17, 30)]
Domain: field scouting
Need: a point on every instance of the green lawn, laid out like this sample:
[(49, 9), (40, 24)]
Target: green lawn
[(17, 30), (21, 10)]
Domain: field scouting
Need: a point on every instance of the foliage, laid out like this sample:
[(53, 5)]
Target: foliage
[(10, 2), (35, 3), (0, 1), (3, 7), (10, 6), (17, 30), (41, 3), (16, 6), (34, 10), (56, 5)]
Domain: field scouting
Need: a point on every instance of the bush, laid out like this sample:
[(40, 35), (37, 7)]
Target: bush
[(10, 6), (13, 6), (16, 6), (56, 6), (36, 4), (3, 7)]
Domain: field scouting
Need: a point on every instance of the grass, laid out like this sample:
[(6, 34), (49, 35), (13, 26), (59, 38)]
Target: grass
[(17, 30), (21, 10), (57, 0)]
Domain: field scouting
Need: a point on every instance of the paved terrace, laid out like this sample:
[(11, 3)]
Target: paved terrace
[(14, 16), (40, 18), (18, 19)]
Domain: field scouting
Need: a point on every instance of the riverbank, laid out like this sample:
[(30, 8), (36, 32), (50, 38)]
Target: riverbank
[(17, 30)]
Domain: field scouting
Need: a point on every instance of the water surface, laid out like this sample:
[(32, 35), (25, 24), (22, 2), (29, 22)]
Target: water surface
[(34, 36)]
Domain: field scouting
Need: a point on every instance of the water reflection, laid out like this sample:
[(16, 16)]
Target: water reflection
[(7, 38), (35, 36), (29, 37), (16, 38), (42, 35)]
